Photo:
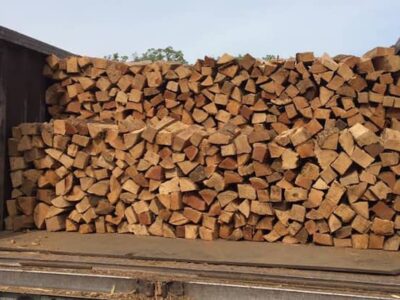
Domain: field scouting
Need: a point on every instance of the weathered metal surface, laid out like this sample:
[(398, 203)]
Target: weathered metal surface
[(397, 46), (245, 292), (188, 290), (22, 90), (101, 279), (46, 264), (3, 133), (27, 42)]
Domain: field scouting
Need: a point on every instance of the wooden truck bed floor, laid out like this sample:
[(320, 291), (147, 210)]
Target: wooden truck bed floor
[(306, 257), (115, 266)]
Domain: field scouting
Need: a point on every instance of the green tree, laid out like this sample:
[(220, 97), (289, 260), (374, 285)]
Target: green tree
[(168, 54), (266, 57), (270, 57), (116, 57)]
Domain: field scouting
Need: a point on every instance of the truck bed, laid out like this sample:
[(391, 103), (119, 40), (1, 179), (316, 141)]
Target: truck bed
[(123, 266)]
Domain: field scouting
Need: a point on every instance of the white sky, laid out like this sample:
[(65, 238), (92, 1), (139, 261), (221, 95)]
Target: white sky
[(207, 27)]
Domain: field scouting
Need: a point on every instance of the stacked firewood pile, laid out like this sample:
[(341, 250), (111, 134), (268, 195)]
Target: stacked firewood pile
[(299, 150)]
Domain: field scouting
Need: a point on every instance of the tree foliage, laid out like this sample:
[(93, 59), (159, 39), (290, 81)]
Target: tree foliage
[(167, 54), (117, 57), (270, 57), (267, 57), (153, 54)]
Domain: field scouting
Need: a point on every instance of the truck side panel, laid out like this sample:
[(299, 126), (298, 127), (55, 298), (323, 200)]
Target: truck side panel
[(22, 90)]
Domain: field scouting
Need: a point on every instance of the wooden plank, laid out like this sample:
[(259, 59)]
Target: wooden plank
[(303, 257)]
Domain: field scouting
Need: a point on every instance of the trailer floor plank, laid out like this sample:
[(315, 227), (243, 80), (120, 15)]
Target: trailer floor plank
[(115, 266), (277, 255)]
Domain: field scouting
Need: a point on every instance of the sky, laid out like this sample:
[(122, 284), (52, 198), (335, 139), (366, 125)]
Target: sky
[(207, 27)]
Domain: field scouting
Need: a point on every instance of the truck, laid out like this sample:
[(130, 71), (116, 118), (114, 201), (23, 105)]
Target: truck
[(66, 265)]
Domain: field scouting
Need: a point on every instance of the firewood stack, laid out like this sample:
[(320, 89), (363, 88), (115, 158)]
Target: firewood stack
[(299, 150)]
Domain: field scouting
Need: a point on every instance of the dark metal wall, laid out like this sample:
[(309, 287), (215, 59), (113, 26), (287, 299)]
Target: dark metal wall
[(22, 92), (22, 89)]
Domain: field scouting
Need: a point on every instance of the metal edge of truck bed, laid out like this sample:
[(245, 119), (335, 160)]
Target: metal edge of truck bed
[(20, 39), (116, 278), (43, 266)]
